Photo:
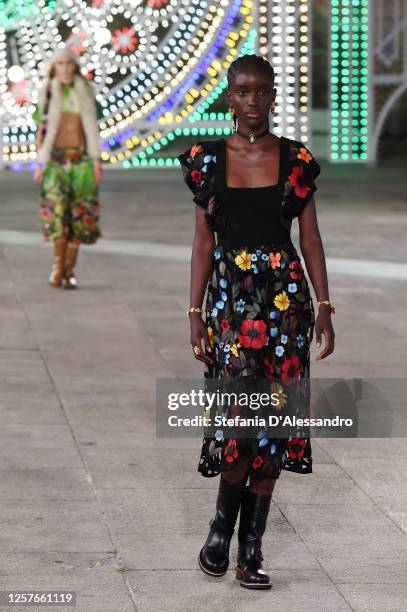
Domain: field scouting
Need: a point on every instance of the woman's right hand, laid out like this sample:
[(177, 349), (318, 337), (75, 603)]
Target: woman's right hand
[(38, 174), (199, 332)]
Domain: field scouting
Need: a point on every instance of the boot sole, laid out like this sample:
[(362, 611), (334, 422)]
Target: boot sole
[(208, 572), (250, 585)]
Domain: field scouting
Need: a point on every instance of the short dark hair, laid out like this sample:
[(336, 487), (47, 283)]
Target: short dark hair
[(249, 61)]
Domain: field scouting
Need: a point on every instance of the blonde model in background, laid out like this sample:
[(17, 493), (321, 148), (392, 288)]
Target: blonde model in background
[(69, 167)]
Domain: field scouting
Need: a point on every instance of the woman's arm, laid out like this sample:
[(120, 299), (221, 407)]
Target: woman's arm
[(201, 269), (314, 258)]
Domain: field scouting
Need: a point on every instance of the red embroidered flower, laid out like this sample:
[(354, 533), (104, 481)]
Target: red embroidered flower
[(253, 334), (296, 269), (269, 368), (75, 155), (291, 368), (299, 181), (296, 448), (225, 325), (196, 176), (257, 462), (231, 451)]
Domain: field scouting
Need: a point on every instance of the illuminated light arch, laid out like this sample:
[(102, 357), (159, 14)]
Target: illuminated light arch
[(157, 68)]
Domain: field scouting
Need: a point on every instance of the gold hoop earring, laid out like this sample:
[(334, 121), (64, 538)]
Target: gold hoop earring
[(234, 119)]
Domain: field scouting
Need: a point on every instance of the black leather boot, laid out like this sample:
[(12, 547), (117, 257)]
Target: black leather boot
[(214, 555), (254, 512)]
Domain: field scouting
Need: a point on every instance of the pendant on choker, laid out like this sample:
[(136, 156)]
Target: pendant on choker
[(252, 137)]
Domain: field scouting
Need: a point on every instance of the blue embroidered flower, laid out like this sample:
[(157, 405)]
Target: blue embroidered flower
[(220, 304), (219, 435), (279, 351), (284, 339), (300, 341), (273, 314), (223, 282), (223, 296), (217, 253), (227, 358), (274, 332), (273, 448), (255, 268), (207, 158), (253, 257), (265, 257), (292, 287), (226, 348), (258, 252), (239, 305)]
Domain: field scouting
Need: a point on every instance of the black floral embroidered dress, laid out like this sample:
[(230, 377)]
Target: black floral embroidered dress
[(259, 311)]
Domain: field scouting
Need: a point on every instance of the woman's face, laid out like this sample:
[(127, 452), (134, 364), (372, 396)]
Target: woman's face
[(251, 93), (65, 69)]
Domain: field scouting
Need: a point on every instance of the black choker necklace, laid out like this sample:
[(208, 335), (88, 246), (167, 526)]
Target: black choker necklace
[(253, 137)]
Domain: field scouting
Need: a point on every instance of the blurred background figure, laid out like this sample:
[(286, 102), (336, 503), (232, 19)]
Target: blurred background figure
[(69, 167)]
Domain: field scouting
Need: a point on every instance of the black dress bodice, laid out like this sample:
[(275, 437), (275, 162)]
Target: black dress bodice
[(252, 214)]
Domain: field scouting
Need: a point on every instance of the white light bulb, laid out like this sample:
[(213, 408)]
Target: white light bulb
[(15, 74)]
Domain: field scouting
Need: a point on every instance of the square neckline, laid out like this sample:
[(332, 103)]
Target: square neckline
[(280, 168)]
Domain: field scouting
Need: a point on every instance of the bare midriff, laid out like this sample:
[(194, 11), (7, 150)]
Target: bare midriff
[(70, 132)]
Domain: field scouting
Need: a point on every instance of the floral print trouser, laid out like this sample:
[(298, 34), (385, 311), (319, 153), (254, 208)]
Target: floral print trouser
[(260, 320), (69, 197)]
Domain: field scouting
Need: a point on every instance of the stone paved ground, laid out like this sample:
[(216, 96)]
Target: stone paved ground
[(92, 501)]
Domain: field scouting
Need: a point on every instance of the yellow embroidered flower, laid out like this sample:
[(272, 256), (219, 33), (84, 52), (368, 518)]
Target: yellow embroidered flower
[(210, 336), (281, 396), (195, 149), (275, 260), (304, 155), (244, 260), (309, 333), (281, 301), (234, 349)]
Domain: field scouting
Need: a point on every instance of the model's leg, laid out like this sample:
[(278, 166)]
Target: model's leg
[(72, 250), (52, 206), (254, 511), (214, 555), (262, 486), (57, 272)]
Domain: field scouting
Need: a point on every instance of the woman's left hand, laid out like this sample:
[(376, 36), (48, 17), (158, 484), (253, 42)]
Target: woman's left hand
[(98, 171), (323, 326)]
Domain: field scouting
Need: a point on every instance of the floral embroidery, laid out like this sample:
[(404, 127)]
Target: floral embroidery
[(304, 154), (275, 260), (259, 312), (195, 149), (253, 334), (244, 260), (299, 182), (282, 301), (231, 451)]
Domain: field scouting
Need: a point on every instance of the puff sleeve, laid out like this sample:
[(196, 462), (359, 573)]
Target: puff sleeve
[(301, 186), (197, 165)]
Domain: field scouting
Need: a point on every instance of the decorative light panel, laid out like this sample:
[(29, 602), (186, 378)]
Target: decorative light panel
[(349, 80), (158, 66)]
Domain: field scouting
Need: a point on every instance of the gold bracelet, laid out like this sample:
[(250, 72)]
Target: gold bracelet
[(193, 309), (329, 304)]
